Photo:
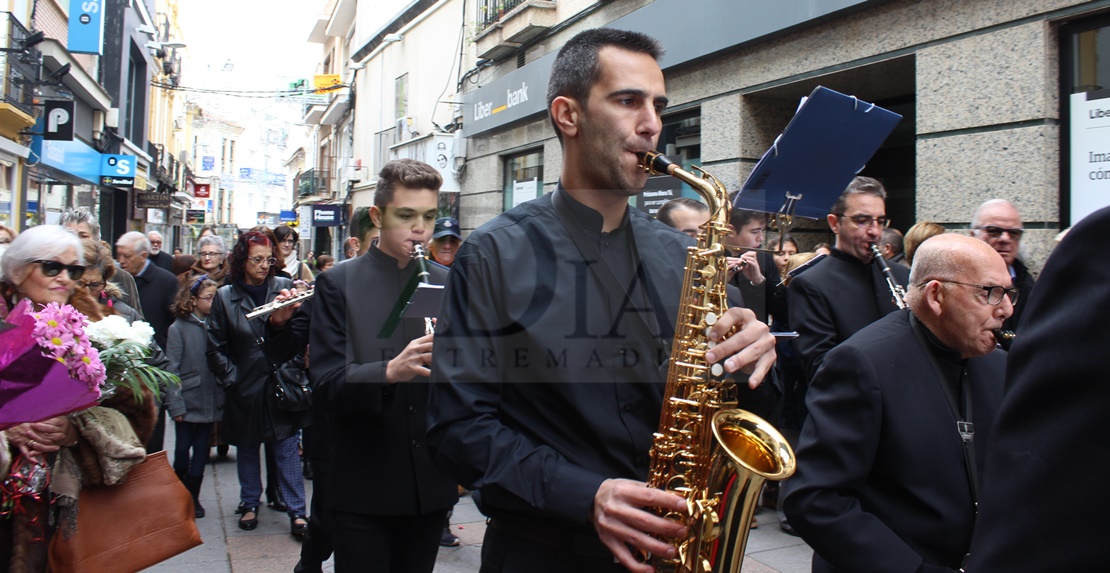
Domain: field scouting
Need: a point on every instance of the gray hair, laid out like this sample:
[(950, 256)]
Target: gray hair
[(212, 240), (990, 203), (136, 241), (75, 217), (43, 242)]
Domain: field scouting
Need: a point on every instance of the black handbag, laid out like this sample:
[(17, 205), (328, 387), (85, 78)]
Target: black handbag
[(288, 383), (291, 390)]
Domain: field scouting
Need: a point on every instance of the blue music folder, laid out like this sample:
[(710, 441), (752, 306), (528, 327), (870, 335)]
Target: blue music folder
[(829, 140)]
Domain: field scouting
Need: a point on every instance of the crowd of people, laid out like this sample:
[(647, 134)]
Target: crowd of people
[(538, 383)]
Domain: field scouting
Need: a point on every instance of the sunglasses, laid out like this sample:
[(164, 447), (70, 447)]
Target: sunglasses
[(53, 268), (996, 232)]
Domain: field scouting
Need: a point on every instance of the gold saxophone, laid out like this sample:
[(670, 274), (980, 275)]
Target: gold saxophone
[(706, 450)]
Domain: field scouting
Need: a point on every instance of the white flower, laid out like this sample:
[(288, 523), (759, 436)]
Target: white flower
[(107, 331), (140, 333)]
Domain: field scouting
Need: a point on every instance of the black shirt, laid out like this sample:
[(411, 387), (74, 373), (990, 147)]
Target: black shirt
[(541, 388)]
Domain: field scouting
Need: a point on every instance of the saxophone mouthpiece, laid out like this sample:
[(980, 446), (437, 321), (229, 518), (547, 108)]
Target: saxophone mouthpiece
[(655, 163)]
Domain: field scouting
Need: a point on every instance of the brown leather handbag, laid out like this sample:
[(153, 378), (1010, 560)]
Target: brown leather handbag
[(131, 526)]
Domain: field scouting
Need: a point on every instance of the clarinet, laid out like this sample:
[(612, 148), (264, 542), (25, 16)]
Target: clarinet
[(422, 265), (896, 289)]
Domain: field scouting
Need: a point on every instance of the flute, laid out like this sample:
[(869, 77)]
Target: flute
[(269, 307)]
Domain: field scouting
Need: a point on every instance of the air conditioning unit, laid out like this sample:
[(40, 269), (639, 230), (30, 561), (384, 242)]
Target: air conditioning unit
[(404, 129)]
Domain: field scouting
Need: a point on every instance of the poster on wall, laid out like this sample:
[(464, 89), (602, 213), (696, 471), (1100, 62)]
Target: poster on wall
[(1090, 153), (525, 190)]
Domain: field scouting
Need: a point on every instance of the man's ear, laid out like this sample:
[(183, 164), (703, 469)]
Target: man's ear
[(834, 223), (376, 216), (565, 114)]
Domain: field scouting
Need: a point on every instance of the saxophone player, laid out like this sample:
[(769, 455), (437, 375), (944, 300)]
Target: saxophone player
[(889, 459), (550, 356)]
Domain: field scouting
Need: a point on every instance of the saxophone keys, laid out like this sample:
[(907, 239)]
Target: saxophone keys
[(711, 319), (717, 369)]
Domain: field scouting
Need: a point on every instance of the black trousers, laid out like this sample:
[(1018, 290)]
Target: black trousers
[(317, 544), (517, 547), (158, 436), (386, 543)]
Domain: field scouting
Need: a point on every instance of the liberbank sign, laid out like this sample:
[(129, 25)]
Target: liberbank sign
[(720, 24)]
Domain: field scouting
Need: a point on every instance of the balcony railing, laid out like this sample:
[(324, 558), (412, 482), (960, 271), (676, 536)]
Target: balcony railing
[(20, 67), (490, 11), (306, 184)]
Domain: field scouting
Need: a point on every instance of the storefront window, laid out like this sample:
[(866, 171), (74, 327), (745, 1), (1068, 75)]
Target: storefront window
[(523, 178), (6, 195), (1086, 101)]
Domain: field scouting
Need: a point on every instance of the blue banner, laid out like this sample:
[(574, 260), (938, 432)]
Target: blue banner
[(117, 165), (244, 173), (208, 162), (86, 26), (288, 216)]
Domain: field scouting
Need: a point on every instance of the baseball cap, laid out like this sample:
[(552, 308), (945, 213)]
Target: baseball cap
[(446, 226)]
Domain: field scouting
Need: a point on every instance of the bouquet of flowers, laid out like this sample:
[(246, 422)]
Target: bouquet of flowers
[(48, 367), (124, 348)]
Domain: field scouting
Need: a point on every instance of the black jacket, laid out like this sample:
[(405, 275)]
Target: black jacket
[(1044, 505), (157, 291), (380, 459), (881, 484), (243, 369), (1024, 282), (835, 299), (163, 259)]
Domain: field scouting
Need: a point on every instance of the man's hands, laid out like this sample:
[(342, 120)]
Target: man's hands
[(37, 439), (751, 348), (746, 264), (624, 526), (413, 361)]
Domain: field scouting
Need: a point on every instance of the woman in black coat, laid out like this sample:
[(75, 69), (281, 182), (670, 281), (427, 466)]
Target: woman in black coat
[(236, 357)]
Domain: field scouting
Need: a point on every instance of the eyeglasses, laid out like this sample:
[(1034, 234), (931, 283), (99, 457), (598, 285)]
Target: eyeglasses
[(865, 221), (996, 232), (208, 255), (53, 268), (260, 260), (206, 298), (92, 285), (994, 293), (287, 242)]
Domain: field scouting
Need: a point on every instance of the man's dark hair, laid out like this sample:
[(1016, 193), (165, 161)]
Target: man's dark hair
[(858, 186), (664, 214), (892, 237), (360, 223), (407, 173), (576, 68)]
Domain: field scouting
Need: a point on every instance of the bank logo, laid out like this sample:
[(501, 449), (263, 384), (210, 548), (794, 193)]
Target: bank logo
[(484, 109)]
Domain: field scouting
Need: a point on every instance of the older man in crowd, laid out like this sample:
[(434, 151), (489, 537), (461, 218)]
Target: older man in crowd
[(157, 255), (998, 224), (889, 458)]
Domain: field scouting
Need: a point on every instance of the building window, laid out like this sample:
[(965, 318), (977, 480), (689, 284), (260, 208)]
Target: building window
[(401, 96), (523, 177), (1085, 167)]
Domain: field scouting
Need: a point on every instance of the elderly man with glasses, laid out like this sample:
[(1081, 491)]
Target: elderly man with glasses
[(846, 291), (998, 224), (899, 419)]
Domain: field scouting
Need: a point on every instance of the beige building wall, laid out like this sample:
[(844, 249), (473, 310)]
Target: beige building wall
[(983, 74)]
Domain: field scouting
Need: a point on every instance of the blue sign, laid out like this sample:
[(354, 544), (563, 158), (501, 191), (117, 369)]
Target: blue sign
[(208, 163), (73, 157), (117, 165), (277, 179), (86, 26), (244, 173), (287, 216)]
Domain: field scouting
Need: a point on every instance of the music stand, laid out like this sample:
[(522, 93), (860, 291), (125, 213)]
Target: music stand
[(826, 144)]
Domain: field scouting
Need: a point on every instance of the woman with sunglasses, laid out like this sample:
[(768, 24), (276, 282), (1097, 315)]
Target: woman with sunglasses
[(43, 265), (238, 359)]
